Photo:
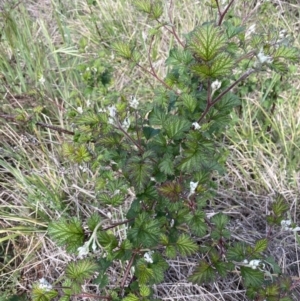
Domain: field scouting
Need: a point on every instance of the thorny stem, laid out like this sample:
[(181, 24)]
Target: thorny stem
[(222, 14), (118, 224), (173, 28), (210, 104), (128, 270)]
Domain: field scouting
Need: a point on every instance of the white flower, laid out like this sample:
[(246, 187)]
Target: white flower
[(193, 186), (112, 113), (84, 250), (196, 125), (80, 110), (44, 284), (286, 225), (216, 85), (148, 257), (133, 102), (126, 124), (262, 58), (172, 223), (254, 264), (250, 30), (88, 102)]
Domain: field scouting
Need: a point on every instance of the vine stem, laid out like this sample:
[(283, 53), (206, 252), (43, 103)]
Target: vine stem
[(128, 269), (222, 14), (210, 104)]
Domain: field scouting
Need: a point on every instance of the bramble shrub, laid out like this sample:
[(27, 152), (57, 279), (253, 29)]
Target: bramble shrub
[(167, 151)]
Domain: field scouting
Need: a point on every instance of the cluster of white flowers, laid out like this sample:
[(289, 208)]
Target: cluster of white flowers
[(262, 58), (286, 226), (84, 250), (193, 186), (196, 125), (148, 257), (216, 85), (254, 264), (45, 285), (133, 102)]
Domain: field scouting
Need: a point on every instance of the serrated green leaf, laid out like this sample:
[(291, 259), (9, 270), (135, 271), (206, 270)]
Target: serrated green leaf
[(289, 53), (157, 117), (131, 297), (101, 280), (156, 10), (150, 132), (207, 41), (260, 246), (188, 101), (178, 57), (175, 127), (139, 171), (167, 165), (171, 252), (237, 252), (65, 298), (93, 221), (204, 273), (115, 200), (146, 231), (220, 220), (171, 190), (143, 5), (185, 245), (40, 294), (107, 240), (197, 223), (122, 49), (69, 233), (143, 272), (145, 291), (252, 277), (81, 270), (280, 206)]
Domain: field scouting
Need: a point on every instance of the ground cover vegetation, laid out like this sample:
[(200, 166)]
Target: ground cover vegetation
[(149, 150)]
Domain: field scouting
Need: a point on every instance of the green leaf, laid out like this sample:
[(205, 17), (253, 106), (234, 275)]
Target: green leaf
[(107, 240), (69, 233), (260, 246), (280, 206), (143, 5), (156, 10), (131, 297), (252, 277), (167, 165), (40, 294), (139, 171), (186, 246), (171, 251), (176, 126), (197, 223), (179, 57), (288, 53), (145, 291), (93, 221), (220, 220), (207, 41), (81, 270), (143, 272), (150, 132), (204, 273), (237, 252), (188, 101), (146, 231), (157, 117), (102, 280), (122, 49)]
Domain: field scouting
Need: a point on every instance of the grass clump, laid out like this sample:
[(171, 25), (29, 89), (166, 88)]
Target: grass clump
[(115, 162)]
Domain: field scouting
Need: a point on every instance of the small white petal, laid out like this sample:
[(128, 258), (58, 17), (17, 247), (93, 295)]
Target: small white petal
[(193, 186), (80, 110), (133, 102), (196, 125), (148, 257)]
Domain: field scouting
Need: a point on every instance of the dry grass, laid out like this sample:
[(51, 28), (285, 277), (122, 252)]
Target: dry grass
[(258, 166)]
